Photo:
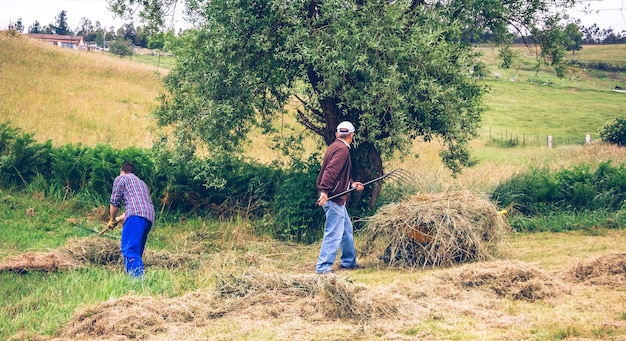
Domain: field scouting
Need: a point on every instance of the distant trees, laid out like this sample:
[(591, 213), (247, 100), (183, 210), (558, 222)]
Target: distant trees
[(61, 27), (35, 27), (17, 26), (595, 35)]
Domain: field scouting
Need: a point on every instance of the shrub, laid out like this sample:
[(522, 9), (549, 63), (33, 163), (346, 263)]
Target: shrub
[(614, 131), (541, 191)]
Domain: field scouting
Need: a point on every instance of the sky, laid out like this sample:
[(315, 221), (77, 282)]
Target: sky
[(605, 13), (46, 11)]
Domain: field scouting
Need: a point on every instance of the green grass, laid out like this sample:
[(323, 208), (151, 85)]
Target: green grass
[(537, 111), (163, 61)]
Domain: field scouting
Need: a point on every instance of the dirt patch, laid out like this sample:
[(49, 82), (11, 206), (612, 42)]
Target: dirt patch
[(609, 270), (436, 230)]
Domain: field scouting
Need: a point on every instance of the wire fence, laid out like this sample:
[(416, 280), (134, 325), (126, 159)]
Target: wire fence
[(506, 138)]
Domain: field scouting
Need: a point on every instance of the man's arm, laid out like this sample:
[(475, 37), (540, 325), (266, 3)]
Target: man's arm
[(112, 212)]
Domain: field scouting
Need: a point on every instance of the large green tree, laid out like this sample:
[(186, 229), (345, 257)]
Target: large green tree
[(399, 70)]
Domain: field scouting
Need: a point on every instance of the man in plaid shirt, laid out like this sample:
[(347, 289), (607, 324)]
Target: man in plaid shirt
[(139, 217)]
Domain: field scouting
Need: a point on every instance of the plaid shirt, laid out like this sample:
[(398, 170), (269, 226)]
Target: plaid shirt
[(131, 190)]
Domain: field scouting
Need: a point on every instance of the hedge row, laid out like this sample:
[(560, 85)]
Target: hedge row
[(281, 199), (541, 191)]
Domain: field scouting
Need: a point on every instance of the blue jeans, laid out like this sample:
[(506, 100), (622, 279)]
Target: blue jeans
[(134, 237), (337, 234)]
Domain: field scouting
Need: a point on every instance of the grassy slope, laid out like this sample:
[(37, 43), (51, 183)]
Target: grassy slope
[(76, 97), (436, 309)]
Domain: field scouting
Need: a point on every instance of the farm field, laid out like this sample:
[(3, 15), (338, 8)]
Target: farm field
[(210, 279)]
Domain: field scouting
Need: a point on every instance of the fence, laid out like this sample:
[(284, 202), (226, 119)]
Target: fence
[(506, 138)]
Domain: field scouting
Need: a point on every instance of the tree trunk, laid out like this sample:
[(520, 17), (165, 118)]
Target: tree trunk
[(366, 165)]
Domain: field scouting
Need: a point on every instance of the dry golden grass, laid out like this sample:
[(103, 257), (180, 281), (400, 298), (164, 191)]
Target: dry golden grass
[(69, 96)]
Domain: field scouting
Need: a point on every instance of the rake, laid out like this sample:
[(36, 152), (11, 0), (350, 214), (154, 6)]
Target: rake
[(399, 173)]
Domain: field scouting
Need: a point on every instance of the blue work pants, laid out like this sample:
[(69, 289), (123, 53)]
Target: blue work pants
[(337, 235), (134, 237)]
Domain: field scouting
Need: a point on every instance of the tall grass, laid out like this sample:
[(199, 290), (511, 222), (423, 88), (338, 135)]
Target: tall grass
[(69, 96)]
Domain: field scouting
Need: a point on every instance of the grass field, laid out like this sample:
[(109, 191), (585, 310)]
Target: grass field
[(217, 280)]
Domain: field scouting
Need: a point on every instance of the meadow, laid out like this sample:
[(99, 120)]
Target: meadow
[(212, 279)]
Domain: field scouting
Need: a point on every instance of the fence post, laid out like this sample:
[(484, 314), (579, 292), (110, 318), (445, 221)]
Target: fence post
[(550, 141)]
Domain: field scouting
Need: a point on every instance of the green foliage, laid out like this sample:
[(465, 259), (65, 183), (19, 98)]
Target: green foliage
[(396, 72), (506, 57), (21, 158), (574, 39), (121, 48), (614, 131), (541, 191), (224, 186), (296, 216), (589, 221)]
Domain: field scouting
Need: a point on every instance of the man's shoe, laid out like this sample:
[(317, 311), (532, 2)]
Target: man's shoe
[(327, 272), (354, 267)]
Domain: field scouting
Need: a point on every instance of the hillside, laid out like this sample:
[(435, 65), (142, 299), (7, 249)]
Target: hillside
[(69, 96), (90, 98)]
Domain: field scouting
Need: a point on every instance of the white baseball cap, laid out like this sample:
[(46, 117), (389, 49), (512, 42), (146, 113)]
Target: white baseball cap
[(345, 127)]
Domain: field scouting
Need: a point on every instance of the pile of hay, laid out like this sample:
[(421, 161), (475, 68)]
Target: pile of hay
[(607, 270), (436, 230), (513, 280), (94, 251), (137, 317)]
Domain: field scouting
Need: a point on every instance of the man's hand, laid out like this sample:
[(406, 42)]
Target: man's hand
[(322, 199), (111, 225), (358, 185)]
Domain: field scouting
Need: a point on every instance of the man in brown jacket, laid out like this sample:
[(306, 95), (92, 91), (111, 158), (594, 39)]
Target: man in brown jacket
[(334, 177)]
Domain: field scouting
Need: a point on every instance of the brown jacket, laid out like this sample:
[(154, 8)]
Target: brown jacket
[(334, 177)]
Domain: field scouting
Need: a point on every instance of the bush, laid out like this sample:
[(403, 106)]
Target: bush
[(541, 191), (614, 131)]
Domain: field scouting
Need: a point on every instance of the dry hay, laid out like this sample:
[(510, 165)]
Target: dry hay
[(257, 296), (607, 270), (86, 251), (436, 230), (32, 261), (513, 280), (311, 297), (138, 317), (94, 251)]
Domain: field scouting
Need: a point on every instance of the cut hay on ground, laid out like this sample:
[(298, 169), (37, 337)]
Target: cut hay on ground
[(508, 279), (32, 261), (87, 251), (607, 270), (258, 296), (140, 317), (306, 296), (436, 230)]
